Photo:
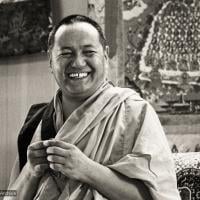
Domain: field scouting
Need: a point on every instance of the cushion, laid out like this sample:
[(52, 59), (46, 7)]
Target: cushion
[(187, 167)]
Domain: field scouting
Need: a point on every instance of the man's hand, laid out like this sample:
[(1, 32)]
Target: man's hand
[(37, 159), (67, 159)]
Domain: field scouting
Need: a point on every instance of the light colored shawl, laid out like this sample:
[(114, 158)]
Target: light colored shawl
[(97, 127)]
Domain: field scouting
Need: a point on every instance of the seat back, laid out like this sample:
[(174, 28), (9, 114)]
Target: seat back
[(188, 174)]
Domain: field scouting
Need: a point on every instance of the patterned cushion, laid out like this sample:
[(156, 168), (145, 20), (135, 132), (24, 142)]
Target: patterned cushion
[(188, 174)]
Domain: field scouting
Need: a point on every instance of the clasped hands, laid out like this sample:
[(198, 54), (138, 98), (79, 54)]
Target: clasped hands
[(59, 156)]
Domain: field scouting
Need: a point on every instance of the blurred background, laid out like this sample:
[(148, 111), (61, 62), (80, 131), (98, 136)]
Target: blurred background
[(154, 49)]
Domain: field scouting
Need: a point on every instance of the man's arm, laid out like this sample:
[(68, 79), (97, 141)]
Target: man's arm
[(70, 161), (26, 184), (114, 185)]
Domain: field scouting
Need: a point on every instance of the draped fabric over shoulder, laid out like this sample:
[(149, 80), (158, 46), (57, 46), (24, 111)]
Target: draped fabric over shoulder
[(118, 129)]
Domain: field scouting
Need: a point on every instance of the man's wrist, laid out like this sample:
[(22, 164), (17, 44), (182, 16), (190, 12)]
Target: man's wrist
[(30, 174), (94, 172)]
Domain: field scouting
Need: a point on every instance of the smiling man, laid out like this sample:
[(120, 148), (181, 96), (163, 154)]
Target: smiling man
[(93, 141), (77, 62)]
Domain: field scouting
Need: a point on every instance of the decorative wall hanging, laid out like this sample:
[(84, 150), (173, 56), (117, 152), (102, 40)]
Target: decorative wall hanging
[(25, 25), (162, 40)]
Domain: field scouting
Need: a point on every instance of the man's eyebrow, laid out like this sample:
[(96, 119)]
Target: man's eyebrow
[(65, 48), (88, 46), (70, 47)]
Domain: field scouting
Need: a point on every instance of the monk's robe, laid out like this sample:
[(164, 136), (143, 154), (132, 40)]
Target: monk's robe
[(118, 129)]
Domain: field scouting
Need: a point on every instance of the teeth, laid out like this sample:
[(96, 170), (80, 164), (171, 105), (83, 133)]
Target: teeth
[(78, 75)]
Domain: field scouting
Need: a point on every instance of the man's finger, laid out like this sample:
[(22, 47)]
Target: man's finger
[(58, 143), (56, 159), (36, 145), (37, 153), (56, 167), (41, 167), (38, 161), (56, 151)]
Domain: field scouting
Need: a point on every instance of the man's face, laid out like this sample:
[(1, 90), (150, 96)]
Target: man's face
[(78, 60)]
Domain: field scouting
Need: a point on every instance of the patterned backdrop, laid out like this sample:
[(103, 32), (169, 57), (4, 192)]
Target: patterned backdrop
[(161, 57)]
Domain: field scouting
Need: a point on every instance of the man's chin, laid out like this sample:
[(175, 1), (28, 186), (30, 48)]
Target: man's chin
[(79, 95), (83, 92)]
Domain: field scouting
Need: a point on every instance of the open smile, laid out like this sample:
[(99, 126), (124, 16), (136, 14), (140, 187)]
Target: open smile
[(78, 75)]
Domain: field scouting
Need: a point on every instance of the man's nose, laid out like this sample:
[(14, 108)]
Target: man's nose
[(79, 61)]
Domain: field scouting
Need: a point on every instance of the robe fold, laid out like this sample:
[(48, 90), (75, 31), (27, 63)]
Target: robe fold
[(118, 129)]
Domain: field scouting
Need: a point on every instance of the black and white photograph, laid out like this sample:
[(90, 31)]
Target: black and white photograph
[(100, 99)]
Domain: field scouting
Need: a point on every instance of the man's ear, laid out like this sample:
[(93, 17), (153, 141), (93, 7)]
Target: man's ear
[(107, 52), (106, 64), (50, 59)]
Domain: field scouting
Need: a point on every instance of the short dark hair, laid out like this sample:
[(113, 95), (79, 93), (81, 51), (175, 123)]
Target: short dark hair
[(71, 19)]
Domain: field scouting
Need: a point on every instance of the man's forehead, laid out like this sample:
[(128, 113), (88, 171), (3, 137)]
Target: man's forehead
[(77, 28)]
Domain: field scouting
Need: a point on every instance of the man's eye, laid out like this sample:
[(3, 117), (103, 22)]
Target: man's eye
[(66, 54), (89, 53)]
